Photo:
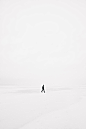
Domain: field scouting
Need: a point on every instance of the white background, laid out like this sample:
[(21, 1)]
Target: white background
[(43, 42)]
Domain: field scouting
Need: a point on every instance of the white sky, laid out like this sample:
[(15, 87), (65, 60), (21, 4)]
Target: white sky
[(43, 42)]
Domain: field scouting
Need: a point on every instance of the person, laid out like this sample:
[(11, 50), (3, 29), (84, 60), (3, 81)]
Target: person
[(43, 90)]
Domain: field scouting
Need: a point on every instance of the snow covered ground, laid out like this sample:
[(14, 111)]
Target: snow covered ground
[(61, 109)]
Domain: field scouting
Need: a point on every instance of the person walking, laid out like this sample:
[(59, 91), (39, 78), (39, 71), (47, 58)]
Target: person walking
[(43, 90)]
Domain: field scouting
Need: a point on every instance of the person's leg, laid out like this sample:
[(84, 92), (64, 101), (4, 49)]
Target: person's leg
[(42, 90)]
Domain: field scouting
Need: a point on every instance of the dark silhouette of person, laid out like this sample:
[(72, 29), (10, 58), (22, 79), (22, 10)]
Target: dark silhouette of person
[(43, 90)]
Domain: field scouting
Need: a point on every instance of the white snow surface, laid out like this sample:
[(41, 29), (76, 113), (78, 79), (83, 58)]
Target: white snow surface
[(61, 109)]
